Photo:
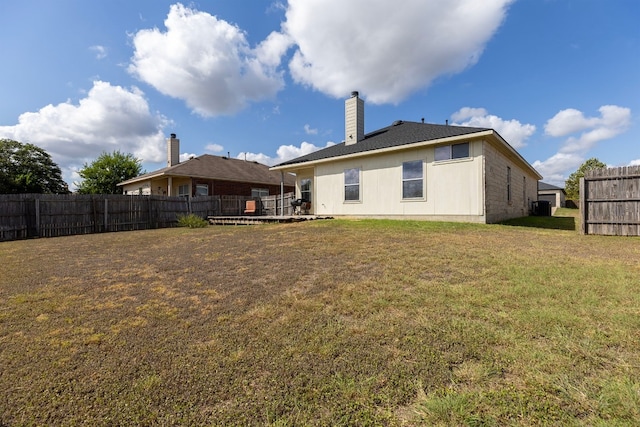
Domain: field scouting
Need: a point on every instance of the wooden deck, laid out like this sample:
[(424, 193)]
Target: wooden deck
[(261, 219)]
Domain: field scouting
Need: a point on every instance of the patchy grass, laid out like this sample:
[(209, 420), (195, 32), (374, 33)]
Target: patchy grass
[(321, 323), (563, 219)]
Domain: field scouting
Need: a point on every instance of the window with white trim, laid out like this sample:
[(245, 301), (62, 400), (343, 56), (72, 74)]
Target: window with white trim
[(259, 192), (452, 151), (352, 185), (183, 190), (305, 189), (202, 190), (413, 179)]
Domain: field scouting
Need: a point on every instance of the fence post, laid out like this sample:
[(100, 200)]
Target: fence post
[(584, 228), (106, 215)]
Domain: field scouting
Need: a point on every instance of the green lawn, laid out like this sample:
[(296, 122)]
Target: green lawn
[(332, 322)]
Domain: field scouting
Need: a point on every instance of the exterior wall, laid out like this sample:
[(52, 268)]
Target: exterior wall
[(453, 189), (524, 187), (216, 188), (231, 188), (139, 189)]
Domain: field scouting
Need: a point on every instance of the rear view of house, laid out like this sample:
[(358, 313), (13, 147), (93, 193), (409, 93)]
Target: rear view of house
[(416, 171)]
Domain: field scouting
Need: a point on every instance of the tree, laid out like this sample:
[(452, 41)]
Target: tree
[(26, 168), (105, 172), (572, 185)]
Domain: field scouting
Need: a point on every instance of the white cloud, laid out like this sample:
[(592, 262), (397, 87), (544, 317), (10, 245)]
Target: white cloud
[(556, 168), (613, 121), (207, 62), (284, 153), (309, 131), (109, 118), (214, 148), (100, 51), (386, 51), (634, 162), (514, 132)]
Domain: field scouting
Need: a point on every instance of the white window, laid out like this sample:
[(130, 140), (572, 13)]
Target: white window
[(352, 185), (412, 180), (202, 190), (453, 151), (259, 192), (305, 189), (183, 190)]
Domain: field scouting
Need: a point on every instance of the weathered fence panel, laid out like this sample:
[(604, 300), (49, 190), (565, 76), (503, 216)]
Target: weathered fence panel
[(24, 216), (610, 201), (272, 205)]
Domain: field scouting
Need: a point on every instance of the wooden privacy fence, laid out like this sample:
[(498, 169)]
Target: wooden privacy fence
[(610, 201), (49, 215)]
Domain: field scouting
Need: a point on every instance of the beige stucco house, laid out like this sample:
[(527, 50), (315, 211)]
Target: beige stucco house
[(208, 175), (416, 171)]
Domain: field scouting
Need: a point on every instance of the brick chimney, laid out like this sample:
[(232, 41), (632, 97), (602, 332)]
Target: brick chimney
[(353, 119), (173, 150)]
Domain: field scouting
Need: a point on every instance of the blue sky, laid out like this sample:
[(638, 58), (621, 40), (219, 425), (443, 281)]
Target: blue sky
[(267, 80)]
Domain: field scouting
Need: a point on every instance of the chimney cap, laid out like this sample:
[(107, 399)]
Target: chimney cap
[(354, 94), (173, 135)]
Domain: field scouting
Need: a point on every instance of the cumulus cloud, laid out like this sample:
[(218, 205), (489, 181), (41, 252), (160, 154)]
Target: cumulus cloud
[(634, 162), (514, 132), (284, 153), (386, 51), (109, 118), (613, 121), (556, 168), (207, 62), (582, 133)]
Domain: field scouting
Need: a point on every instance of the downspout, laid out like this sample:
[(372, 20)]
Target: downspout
[(281, 193)]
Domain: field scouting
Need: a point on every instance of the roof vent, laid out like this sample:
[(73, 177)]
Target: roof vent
[(396, 123)]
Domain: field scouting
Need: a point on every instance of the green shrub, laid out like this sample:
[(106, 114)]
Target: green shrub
[(191, 221)]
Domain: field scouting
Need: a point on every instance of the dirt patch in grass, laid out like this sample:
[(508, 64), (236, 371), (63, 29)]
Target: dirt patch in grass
[(321, 323)]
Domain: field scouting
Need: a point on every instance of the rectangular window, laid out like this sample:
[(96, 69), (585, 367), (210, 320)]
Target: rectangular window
[(202, 190), (259, 192), (508, 184), (352, 184), (183, 190), (454, 151), (305, 189), (412, 180)]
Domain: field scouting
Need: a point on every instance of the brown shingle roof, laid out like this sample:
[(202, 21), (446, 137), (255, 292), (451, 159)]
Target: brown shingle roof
[(208, 166)]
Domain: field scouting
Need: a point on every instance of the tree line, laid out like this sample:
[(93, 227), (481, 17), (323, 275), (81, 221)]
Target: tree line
[(27, 168)]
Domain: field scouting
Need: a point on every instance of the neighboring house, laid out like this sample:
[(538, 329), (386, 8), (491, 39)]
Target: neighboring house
[(556, 196), (209, 175), (416, 170)]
